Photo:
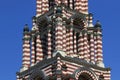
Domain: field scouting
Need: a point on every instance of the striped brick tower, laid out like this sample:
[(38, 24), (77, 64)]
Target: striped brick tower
[(99, 45), (26, 48), (49, 44), (81, 46), (63, 43)]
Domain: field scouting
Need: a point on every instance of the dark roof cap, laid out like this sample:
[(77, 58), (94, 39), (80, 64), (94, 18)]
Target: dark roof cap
[(26, 28), (98, 24)]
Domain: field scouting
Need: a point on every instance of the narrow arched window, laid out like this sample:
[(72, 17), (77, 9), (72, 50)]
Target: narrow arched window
[(51, 3)]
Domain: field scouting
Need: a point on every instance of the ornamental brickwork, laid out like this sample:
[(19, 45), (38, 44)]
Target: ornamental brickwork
[(63, 43)]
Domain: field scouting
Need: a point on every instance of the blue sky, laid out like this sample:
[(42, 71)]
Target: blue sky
[(15, 13)]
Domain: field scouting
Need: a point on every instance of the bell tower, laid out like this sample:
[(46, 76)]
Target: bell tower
[(63, 43)]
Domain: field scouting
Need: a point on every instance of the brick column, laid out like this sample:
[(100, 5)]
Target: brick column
[(59, 34), (92, 50), (26, 48), (68, 42), (39, 53), (86, 54), (81, 46), (75, 43), (71, 42), (58, 69), (99, 47), (99, 44), (64, 38), (49, 44), (33, 50)]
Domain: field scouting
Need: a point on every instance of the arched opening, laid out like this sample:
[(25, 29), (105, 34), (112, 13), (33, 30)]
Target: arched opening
[(38, 78), (85, 76)]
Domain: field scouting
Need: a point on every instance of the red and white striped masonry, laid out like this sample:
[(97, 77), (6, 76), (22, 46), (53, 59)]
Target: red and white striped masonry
[(64, 38), (26, 51), (92, 49), (58, 68), (75, 43), (49, 45), (99, 46), (68, 42), (45, 6), (84, 6), (42, 7), (33, 51), (71, 41), (59, 35), (77, 5), (81, 46), (86, 54), (95, 47), (39, 53), (38, 7)]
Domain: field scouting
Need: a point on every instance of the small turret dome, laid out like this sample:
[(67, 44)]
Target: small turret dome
[(98, 24), (26, 28)]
